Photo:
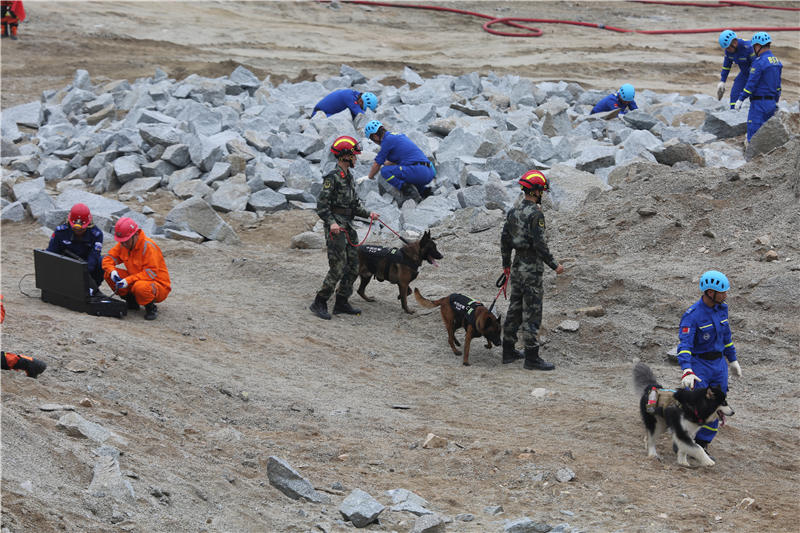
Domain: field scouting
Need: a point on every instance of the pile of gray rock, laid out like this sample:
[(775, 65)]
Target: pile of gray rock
[(237, 143)]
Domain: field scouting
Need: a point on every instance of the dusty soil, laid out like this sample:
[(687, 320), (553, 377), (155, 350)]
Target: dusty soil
[(237, 369)]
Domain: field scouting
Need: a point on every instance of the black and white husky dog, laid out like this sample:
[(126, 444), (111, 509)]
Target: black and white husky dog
[(683, 415)]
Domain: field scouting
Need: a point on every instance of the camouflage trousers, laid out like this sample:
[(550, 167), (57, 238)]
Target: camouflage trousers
[(342, 264), (524, 308)]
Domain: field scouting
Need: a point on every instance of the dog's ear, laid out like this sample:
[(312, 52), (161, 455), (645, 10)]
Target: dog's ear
[(425, 236), (710, 393)]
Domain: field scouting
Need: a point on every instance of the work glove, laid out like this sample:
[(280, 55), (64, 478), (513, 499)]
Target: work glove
[(115, 277), (122, 284), (689, 379), (720, 90), (738, 105), (361, 180), (734, 365)]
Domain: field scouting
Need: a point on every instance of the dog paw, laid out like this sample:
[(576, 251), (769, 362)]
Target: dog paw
[(457, 352)]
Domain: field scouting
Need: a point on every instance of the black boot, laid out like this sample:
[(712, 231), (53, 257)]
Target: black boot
[(534, 362), (320, 308), (150, 311), (510, 354), (343, 306), (32, 367), (132, 303), (411, 192)]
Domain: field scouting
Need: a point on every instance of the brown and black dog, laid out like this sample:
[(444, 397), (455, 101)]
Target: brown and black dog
[(395, 265), (459, 311)]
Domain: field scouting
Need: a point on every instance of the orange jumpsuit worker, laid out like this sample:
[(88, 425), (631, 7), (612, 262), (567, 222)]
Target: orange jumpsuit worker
[(13, 361), (145, 279), (13, 13)]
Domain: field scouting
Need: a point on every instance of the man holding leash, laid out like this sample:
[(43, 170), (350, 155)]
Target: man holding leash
[(705, 337), (337, 204), (524, 232)]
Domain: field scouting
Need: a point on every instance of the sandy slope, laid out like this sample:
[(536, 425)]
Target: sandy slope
[(237, 369)]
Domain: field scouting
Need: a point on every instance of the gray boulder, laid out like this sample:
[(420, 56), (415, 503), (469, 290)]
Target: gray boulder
[(596, 156), (203, 152), (308, 240), (726, 124), (107, 481), (231, 196), (25, 190), (98, 205), (286, 479), (639, 120), (53, 169), (268, 201), (196, 215), (770, 135), (429, 523), (674, 150), (159, 134), (360, 508), (139, 186), (127, 168), (14, 212), (187, 189), (571, 187)]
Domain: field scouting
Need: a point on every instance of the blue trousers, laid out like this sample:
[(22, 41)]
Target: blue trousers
[(760, 112), (712, 373), (738, 86), (398, 175)]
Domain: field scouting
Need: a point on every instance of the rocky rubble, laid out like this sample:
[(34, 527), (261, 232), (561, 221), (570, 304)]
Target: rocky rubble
[(237, 143)]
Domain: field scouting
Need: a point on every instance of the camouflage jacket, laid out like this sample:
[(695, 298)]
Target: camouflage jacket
[(524, 232), (338, 201)]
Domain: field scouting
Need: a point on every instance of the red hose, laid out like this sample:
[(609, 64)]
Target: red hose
[(536, 32)]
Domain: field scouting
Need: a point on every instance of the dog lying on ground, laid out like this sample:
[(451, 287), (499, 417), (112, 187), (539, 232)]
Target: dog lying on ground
[(683, 417), (399, 266), (459, 311)]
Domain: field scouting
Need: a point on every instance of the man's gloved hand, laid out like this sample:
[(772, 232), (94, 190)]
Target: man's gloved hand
[(122, 284), (738, 105), (737, 369), (362, 179), (689, 379), (115, 277), (720, 90)]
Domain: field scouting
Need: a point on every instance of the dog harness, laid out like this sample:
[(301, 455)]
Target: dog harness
[(464, 309), (375, 253)]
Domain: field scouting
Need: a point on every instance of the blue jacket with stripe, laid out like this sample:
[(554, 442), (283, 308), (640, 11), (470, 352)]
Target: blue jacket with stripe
[(705, 329)]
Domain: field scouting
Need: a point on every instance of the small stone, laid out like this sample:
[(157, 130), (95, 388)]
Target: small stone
[(710, 234), (772, 255), (465, 517), (539, 392), (86, 402), (764, 240), (564, 474), (77, 366), (595, 311), (569, 325), (646, 211), (56, 407), (493, 510), (434, 441)]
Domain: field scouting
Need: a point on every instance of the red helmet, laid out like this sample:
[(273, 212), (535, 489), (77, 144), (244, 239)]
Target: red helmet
[(534, 180), (124, 229), (345, 145), (79, 217)]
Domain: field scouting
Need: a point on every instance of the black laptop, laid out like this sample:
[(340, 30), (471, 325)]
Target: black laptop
[(65, 281)]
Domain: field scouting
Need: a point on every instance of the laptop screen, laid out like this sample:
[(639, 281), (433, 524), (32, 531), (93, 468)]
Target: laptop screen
[(61, 275)]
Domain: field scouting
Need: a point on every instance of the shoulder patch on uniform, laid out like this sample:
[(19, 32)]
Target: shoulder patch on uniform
[(326, 184)]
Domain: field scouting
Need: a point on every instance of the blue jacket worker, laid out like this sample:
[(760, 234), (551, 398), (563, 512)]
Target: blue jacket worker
[(706, 347), (737, 51), (622, 100), (401, 163), (338, 101), (763, 85), (80, 237)]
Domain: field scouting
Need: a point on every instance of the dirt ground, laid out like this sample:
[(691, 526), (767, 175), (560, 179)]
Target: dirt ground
[(236, 368)]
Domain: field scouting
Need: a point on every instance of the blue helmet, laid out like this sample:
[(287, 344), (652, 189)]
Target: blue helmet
[(726, 38), (715, 281), (372, 127), (626, 92), (370, 101), (761, 38)]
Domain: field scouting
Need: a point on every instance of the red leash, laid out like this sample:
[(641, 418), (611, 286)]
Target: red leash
[(501, 282), (347, 235)]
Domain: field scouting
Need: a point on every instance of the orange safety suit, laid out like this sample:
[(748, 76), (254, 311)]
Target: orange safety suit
[(145, 270), (14, 361), (13, 13)]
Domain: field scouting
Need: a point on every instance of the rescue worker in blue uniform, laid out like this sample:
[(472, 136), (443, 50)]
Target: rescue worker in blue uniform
[(622, 100), (80, 237), (706, 346), (737, 51), (338, 101), (401, 163), (763, 85)]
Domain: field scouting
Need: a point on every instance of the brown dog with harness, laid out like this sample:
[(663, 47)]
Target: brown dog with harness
[(399, 266), (459, 311)]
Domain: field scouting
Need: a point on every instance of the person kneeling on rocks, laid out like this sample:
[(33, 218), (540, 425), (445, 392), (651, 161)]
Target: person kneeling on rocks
[(13, 361), (401, 163), (145, 279), (337, 204)]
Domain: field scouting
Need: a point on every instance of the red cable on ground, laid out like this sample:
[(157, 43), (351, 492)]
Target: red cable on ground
[(536, 32)]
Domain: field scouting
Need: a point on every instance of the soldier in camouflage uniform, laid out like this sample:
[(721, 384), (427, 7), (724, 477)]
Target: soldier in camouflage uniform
[(337, 204), (524, 232)]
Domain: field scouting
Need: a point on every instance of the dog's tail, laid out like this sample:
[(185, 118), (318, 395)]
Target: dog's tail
[(424, 302), (643, 377)]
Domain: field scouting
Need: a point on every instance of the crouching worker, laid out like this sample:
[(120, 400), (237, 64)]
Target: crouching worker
[(12, 361), (145, 279), (337, 204), (80, 238)]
